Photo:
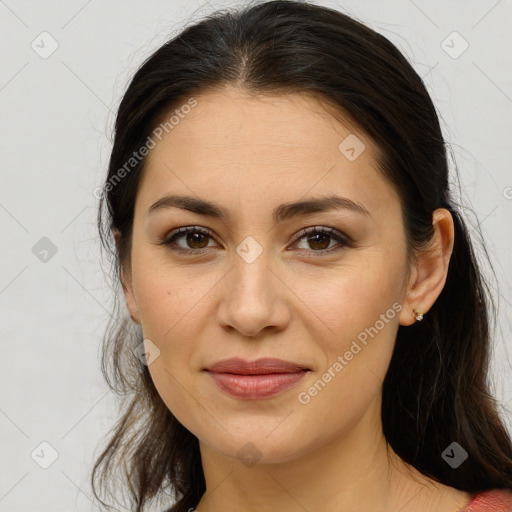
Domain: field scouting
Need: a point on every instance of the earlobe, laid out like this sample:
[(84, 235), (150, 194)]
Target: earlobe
[(431, 270), (131, 304)]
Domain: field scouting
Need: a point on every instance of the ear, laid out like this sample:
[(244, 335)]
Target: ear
[(429, 275), (126, 282)]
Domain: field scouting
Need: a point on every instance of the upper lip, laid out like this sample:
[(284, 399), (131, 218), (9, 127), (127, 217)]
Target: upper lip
[(260, 366)]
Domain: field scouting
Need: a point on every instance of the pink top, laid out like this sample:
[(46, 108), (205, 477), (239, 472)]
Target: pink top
[(490, 501)]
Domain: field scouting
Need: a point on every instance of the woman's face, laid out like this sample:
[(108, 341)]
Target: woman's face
[(258, 286)]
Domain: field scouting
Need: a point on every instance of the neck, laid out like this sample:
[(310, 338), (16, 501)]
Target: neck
[(355, 471)]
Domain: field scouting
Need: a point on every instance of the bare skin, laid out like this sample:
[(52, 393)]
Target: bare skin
[(249, 155)]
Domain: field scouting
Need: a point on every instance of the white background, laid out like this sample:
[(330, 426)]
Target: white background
[(56, 118)]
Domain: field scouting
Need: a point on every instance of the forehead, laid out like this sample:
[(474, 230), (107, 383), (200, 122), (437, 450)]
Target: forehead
[(289, 145), (233, 116)]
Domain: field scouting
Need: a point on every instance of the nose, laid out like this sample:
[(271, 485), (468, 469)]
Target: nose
[(254, 298)]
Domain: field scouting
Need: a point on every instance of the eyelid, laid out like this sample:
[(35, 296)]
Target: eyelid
[(343, 239), (167, 239), (311, 230)]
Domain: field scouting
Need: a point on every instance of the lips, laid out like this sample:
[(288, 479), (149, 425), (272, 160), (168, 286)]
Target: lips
[(255, 380), (261, 366)]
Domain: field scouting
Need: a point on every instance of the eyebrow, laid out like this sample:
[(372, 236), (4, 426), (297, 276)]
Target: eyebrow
[(281, 213)]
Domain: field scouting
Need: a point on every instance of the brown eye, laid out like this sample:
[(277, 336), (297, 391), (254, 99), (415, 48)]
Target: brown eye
[(319, 239), (196, 239)]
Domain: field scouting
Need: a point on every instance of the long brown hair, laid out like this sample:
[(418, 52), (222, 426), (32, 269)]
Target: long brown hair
[(436, 389)]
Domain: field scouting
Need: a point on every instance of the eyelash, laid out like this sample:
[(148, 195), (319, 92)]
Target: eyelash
[(343, 239)]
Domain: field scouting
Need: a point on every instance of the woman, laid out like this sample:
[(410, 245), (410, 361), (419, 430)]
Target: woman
[(310, 325)]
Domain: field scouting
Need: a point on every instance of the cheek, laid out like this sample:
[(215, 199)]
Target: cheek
[(169, 319), (171, 305), (356, 357), (168, 298), (354, 296), (359, 314)]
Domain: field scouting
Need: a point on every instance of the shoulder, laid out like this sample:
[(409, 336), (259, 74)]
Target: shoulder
[(495, 500)]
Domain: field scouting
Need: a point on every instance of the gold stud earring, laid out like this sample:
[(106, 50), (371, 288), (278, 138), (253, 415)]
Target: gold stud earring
[(419, 316)]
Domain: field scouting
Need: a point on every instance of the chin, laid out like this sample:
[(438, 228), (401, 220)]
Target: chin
[(259, 448)]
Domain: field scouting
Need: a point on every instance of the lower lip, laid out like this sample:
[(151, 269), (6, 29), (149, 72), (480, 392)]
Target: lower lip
[(254, 387)]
